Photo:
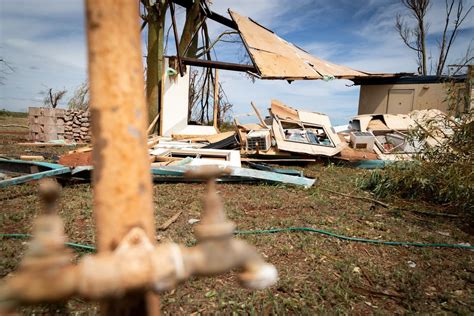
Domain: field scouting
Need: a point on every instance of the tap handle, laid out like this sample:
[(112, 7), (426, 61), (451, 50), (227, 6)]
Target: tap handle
[(49, 191), (214, 223)]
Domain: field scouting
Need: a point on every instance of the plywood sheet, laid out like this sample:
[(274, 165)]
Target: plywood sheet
[(276, 58), (282, 111)]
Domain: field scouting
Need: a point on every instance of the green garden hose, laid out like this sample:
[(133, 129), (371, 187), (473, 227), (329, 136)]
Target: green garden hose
[(289, 229), (357, 239), (69, 244)]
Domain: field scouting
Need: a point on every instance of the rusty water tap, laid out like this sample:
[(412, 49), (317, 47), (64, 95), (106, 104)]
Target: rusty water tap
[(217, 251), (214, 223), (46, 261), (47, 274), (48, 228)]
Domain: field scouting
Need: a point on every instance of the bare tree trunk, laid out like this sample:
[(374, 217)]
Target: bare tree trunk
[(440, 65), (423, 46), (154, 71), (194, 18), (414, 38)]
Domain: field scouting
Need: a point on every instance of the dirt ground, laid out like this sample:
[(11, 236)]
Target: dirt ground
[(318, 274)]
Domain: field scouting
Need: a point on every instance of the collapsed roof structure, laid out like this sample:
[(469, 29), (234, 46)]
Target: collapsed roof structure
[(275, 58), (272, 57)]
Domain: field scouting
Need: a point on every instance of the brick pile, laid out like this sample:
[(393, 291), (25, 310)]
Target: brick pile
[(48, 124)]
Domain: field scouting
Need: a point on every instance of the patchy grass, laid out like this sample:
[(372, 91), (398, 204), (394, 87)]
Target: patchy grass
[(317, 274), (10, 136), (12, 114)]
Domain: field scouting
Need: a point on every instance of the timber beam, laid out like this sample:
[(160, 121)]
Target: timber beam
[(217, 64)]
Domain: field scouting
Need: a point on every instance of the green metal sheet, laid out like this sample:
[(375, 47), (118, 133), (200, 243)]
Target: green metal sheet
[(34, 176)]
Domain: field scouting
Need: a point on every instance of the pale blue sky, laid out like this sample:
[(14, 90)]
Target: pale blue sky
[(43, 40)]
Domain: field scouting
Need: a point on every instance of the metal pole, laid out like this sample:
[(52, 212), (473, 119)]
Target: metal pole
[(121, 180)]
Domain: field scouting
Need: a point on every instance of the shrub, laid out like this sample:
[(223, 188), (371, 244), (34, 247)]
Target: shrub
[(441, 173)]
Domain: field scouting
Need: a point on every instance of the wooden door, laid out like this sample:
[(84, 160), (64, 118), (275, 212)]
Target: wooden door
[(400, 101)]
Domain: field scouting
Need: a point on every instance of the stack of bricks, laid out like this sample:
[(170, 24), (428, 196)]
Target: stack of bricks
[(48, 124), (77, 126)]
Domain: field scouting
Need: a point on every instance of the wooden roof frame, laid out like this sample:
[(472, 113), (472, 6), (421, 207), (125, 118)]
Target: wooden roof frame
[(313, 68)]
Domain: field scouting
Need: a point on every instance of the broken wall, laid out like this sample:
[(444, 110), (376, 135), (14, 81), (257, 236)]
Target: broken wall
[(174, 111)]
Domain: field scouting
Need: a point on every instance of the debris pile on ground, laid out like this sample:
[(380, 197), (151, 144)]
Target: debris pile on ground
[(394, 137), (289, 134), (286, 135)]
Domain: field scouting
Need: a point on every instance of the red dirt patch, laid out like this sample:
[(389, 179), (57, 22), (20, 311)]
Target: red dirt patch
[(76, 159)]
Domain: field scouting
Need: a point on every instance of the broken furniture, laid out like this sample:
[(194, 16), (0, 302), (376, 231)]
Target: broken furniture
[(291, 132), (202, 156), (362, 140), (388, 132)]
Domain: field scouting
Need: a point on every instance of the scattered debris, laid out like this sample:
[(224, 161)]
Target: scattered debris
[(48, 144), (34, 176), (357, 197), (31, 157), (236, 173), (288, 134), (193, 221), (170, 221), (411, 264), (201, 156)]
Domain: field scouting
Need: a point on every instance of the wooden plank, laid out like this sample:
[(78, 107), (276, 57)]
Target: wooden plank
[(282, 111), (81, 150), (217, 64), (257, 112), (46, 144), (170, 221), (31, 157), (153, 123)]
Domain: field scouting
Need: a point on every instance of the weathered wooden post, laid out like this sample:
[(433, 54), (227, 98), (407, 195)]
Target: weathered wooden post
[(122, 189), (129, 264)]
